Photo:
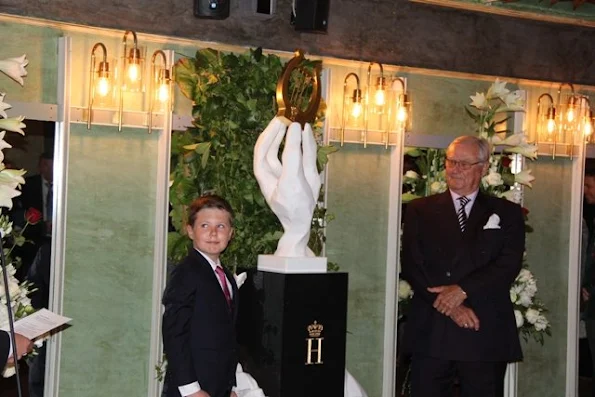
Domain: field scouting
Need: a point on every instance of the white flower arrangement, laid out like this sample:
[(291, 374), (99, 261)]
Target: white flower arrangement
[(10, 183), (499, 181)]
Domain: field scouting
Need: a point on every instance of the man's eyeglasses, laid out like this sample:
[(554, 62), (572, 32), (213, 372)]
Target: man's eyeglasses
[(463, 165)]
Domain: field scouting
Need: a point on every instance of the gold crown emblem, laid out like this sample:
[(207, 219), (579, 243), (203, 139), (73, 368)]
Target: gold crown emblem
[(314, 330)]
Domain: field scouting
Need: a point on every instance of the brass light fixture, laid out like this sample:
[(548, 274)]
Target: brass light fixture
[(160, 82), (355, 106), (379, 101), (586, 121), (400, 110), (99, 80), (546, 121), (133, 67), (567, 123)]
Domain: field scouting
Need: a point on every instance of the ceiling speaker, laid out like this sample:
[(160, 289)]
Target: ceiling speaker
[(212, 9), (311, 15)]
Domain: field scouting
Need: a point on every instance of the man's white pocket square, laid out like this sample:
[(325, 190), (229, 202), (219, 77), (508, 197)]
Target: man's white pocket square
[(493, 222)]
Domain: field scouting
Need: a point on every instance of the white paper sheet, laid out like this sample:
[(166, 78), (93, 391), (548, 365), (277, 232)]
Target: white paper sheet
[(38, 324)]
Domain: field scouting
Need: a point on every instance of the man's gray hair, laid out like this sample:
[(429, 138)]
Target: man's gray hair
[(482, 144)]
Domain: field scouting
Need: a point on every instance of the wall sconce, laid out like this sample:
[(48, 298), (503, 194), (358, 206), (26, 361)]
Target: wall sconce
[(567, 123), (354, 109), (400, 111), (546, 121), (586, 122), (160, 86), (99, 80), (133, 67), (379, 98)]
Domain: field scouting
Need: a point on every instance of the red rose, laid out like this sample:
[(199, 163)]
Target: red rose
[(33, 216), (506, 161), (525, 211)]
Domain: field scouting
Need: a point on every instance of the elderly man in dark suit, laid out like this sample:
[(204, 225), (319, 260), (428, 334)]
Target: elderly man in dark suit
[(201, 304), (461, 252)]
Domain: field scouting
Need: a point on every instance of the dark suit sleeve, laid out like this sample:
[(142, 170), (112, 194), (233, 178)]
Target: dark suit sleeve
[(413, 263), (4, 348), (501, 271), (178, 300)]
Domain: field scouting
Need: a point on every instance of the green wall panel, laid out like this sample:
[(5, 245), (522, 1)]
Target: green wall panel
[(547, 255), (109, 262), (356, 240), (40, 44)]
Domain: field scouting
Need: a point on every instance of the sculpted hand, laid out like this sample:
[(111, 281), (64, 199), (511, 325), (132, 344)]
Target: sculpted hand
[(290, 188), (465, 317), (449, 297), (24, 346)]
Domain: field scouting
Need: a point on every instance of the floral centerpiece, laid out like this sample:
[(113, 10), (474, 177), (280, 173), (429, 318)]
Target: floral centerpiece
[(504, 179), (10, 183)]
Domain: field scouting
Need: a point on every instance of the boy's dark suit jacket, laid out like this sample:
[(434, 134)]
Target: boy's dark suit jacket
[(483, 262), (199, 329), (4, 348)]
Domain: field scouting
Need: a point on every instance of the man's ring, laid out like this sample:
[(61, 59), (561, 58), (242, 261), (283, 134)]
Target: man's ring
[(466, 325)]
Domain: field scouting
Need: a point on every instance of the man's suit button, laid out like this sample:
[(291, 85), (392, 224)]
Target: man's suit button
[(447, 274)]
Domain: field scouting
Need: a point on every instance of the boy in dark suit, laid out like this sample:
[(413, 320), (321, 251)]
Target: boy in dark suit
[(461, 252), (201, 302)]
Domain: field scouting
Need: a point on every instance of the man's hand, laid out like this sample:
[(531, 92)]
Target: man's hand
[(24, 346), (585, 294), (449, 297), (200, 393), (465, 317), (233, 394)]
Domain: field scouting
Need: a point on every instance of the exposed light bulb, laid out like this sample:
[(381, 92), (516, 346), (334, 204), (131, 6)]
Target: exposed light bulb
[(588, 129), (570, 115), (356, 110), (379, 98), (163, 92), (103, 86), (133, 72), (551, 125), (402, 114)]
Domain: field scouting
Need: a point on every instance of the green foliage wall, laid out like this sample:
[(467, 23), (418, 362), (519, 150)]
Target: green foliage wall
[(233, 101)]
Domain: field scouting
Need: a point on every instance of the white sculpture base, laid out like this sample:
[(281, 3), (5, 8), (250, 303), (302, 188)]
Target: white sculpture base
[(284, 264)]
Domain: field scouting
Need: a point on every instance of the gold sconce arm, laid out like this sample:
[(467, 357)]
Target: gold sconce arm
[(103, 74), (379, 96), (356, 103), (132, 70), (160, 85)]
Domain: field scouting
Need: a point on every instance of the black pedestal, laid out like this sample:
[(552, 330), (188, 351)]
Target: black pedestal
[(292, 331)]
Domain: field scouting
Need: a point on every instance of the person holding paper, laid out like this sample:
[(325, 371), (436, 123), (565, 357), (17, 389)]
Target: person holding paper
[(24, 345), (201, 304)]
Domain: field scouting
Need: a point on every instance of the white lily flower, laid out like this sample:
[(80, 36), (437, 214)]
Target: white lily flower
[(526, 150), (518, 316), (15, 68), (3, 105), (524, 178), (7, 193), (411, 174), (479, 100), (514, 101), (514, 140), (11, 177), (493, 179), (513, 195), (498, 90), (14, 124)]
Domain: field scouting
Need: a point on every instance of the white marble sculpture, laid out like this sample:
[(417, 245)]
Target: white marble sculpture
[(290, 187)]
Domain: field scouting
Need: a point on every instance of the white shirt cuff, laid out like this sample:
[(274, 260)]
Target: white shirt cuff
[(188, 389)]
